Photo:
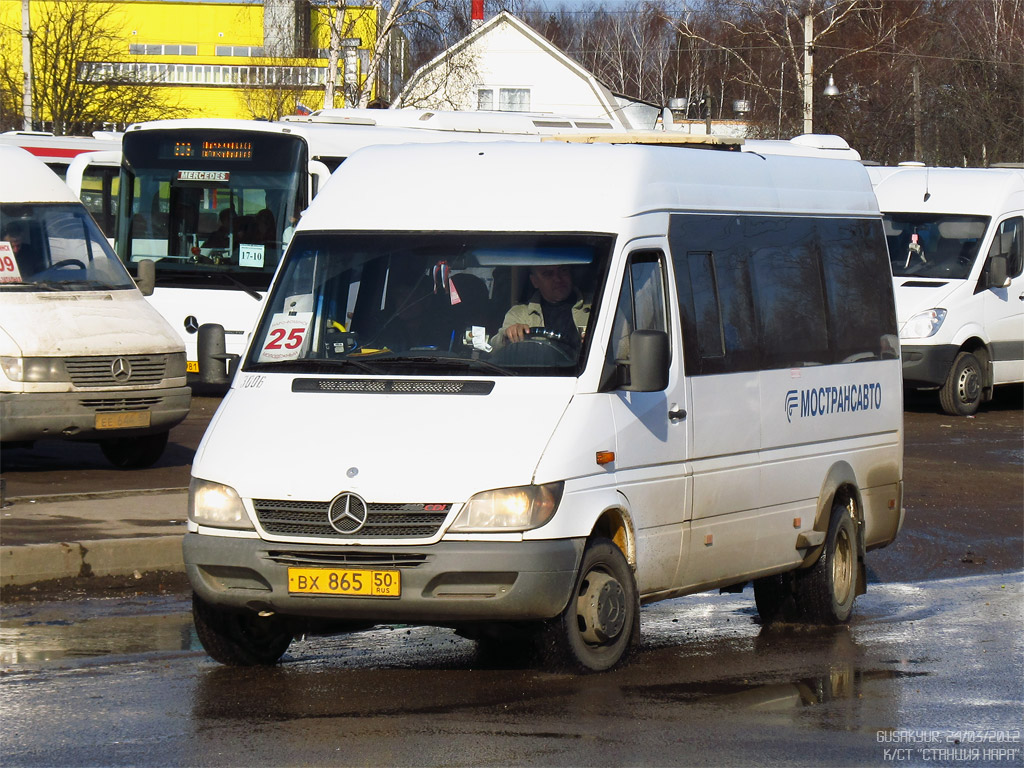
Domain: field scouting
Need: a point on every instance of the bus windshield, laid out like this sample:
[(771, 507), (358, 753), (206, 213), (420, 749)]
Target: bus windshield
[(432, 304), (942, 246), (208, 203), (56, 247)]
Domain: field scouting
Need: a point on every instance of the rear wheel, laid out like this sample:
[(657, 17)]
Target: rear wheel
[(962, 391), (134, 452), (601, 623), (240, 638), (826, 590)]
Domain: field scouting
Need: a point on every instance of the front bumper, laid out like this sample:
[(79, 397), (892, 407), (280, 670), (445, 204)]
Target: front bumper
[(926, 366), (29, 416), (444, 583)]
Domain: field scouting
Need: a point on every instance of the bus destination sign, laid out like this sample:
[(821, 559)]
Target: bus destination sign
[(213, 150)]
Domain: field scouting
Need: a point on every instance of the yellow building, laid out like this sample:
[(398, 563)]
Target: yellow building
[(214, 58)]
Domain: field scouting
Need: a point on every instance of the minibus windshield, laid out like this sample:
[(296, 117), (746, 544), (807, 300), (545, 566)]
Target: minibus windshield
[(56, 247), (942, 246), (433, 304)]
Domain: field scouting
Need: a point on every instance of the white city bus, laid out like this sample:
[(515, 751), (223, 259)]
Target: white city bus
[(214, 202), (711, 397)]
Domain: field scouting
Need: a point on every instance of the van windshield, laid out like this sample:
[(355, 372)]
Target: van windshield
[(433, 304), (54, 247), (942, 246)]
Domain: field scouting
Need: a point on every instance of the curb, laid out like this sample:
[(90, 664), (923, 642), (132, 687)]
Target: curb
[(31, 563)]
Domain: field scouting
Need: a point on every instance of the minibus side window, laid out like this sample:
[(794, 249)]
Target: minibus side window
[(641, 306), (1007, 242)]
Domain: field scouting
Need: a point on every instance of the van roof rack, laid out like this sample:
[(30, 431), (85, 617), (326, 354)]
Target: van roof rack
[(658, 138)]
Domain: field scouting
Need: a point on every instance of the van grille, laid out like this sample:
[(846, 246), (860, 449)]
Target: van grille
[(310, 518), (99, 371), (120, 403), (350, 559)]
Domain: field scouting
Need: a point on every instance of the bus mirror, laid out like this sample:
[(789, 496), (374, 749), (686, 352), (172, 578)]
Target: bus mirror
[(319, 173), (648, 361), (997, 272), (146, 276), (216, 365)]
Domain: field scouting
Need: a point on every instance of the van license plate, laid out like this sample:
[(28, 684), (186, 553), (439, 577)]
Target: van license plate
[(344, 582), (192, 366), (126, 420)]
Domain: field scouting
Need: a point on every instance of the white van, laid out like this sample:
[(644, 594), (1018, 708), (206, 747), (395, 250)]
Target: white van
[(691, 403), (955, 243), (83, 356)]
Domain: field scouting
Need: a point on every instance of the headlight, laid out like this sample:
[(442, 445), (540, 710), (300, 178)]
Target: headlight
[(924, 324), (34, 369), (216, 505), (175, 366), (509, 509)]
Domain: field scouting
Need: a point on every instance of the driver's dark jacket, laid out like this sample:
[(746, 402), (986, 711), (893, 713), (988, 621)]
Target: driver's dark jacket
[(530, 314)]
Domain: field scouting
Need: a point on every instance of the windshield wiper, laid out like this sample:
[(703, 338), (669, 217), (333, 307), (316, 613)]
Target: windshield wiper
[(316, 365)]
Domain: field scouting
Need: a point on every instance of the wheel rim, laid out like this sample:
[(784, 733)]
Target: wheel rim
[(601, 608), (842, 566), (968, 385)]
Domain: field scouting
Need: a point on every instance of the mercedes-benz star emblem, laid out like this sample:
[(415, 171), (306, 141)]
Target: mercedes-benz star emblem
[(121, 369), (347, 513), (191, 324)]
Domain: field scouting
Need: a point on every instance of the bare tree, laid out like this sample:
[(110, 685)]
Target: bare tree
[(75, 88)]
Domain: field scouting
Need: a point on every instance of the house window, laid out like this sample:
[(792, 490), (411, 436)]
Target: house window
[(514, 99), (485, 99)]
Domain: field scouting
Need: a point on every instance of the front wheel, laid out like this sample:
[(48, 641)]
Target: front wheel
[(826, 590), (961, 393), (134, 452), (601, 623), (240, 638)]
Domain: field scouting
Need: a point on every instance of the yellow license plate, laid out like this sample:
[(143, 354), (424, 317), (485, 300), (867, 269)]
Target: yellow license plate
[(126, 420), (192, 366), (344, 582)]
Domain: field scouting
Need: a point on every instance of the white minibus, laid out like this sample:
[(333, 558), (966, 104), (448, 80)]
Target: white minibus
[(83, 356), (954, 238), (547, 383)]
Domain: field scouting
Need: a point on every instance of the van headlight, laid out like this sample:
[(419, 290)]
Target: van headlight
[(509, 509), (175, 366), (34, 369), (216, 505), (924, 324)]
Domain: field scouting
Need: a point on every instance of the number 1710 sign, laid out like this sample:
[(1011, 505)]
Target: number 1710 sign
[(286, 338)]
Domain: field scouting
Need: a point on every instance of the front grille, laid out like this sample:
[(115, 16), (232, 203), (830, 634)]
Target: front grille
[(347, 559), (99, 371), (394, 386), (310, 518), (114, 404)]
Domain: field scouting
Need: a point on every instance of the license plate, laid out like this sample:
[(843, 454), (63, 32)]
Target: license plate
[(126, 420), (192, 366), (344, 582)]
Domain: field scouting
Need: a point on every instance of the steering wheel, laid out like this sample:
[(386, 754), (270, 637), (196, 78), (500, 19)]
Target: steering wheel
[(68, 263), (541, 347)]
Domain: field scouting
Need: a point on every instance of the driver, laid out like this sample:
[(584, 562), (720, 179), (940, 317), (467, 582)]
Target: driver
[(555, 304)]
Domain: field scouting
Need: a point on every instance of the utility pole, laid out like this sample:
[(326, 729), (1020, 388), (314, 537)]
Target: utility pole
[(26, 64), (809, 69)]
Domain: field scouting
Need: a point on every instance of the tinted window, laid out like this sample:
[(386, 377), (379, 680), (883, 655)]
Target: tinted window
[(776, 292)]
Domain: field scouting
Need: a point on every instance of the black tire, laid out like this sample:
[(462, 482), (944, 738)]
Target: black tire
[(601, 623), (963, 389), (134, 452), (240, 638), (775, 598), (825, 591)]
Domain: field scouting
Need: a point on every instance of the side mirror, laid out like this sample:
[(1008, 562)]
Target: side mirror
[(648, 361), (146, 276), (216, 365), (997, 272)]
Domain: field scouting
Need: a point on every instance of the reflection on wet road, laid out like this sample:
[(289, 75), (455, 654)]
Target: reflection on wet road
[(929, 665)]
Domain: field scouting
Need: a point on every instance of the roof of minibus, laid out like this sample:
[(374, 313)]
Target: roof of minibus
[(977, 191), (26, 179), (324, 140), (573, 187)]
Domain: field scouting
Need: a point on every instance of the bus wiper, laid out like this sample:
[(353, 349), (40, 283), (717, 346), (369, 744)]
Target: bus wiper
[(315, 365), (453, 362)]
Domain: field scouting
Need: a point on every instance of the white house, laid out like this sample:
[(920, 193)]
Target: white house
[(505, 65)]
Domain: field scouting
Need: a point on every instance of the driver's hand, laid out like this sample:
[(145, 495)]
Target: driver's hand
[(518, 332)]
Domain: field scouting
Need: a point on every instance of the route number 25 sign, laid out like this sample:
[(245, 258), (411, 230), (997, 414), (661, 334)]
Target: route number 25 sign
[(286, 339)]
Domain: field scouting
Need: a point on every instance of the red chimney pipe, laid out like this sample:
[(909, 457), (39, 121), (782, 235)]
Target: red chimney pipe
[(478, 10)]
